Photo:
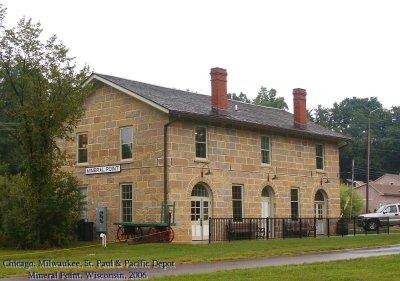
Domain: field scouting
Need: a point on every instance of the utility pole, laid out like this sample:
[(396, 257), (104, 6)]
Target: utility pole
[(351, 190), (368, 159)]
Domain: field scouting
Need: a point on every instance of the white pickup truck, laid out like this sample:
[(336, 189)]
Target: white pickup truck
[(386, 215)]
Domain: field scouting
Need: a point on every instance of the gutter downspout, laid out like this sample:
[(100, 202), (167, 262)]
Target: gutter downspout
[(166, 165)]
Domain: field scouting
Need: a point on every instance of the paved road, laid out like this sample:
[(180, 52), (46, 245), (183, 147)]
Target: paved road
[(246, 263)]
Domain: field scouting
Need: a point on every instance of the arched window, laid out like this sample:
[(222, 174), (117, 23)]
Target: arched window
[(319, 196), (200, 190), (266, 192)]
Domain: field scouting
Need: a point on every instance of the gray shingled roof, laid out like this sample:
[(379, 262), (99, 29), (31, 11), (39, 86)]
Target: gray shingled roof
[(198, 106), (386, 189)]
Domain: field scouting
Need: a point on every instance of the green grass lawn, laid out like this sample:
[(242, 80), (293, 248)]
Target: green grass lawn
[(185, 253), (366, 269)]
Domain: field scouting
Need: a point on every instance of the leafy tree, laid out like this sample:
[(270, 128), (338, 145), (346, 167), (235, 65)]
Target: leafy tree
[(41, 92), (322, 116), (241, 97), (350, 117), (351, 202), (10, 160), (268, 98)]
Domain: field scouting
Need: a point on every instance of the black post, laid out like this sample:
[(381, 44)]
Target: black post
[(209, 230), (329, 235), (341, 222), (267, 228), (283, 229), (301, 229), (229, 230), (251, 229), (354, 226), (388, 225), (315, 227)]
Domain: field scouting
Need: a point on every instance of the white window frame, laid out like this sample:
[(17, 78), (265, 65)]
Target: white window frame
[(121, 143), (235, 218), (122, 200), (322, 157), (198, 142), (297, 202), (263, 149), (78, 149)]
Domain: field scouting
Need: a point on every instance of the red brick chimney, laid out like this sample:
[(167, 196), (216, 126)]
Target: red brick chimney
[(299, 108), (219, 98)]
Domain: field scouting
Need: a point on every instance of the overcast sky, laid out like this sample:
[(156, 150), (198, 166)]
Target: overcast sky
[(333, 49)]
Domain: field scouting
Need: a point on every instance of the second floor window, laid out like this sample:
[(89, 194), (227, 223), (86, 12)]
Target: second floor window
[(126, 143), (265, 150), (201, 142), (319, 152), (82, 147)]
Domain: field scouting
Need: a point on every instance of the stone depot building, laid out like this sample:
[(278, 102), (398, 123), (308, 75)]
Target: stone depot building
[(139, 145)]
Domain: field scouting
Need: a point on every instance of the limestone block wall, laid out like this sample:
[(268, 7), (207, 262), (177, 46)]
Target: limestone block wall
[(234, 157), (107, 110)]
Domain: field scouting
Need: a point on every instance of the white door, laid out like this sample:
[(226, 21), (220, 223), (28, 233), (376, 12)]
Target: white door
[(265, 207), (266, 212), (320, 215), (200, 210)]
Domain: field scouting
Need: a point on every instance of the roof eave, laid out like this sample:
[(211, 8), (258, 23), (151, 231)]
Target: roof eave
[(221, 119), (126, 91)]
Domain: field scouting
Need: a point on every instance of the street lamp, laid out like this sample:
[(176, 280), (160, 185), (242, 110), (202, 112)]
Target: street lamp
[(368, 158)]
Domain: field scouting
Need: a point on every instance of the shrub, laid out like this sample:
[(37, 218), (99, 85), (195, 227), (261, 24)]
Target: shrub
[(31, 222)]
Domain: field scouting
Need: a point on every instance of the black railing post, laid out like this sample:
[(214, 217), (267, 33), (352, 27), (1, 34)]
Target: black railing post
[(267, 228), (301, 229), (354, 226), (327, 221), (251, 228), (378, 226), (229, 230), (388, 225), (209, 229), (315, 227), (283, 229), (341, 222)]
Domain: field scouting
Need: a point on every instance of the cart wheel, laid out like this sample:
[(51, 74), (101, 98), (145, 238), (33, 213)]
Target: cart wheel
[(152, 234), (170, 235), (136, 233), (122, 236), (126, 232)]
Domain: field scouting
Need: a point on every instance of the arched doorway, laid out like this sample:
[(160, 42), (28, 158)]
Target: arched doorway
[(320, 212), (267, 208), (200, 211)]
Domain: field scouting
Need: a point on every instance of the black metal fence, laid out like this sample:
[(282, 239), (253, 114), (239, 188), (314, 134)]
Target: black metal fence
[(227, 229)]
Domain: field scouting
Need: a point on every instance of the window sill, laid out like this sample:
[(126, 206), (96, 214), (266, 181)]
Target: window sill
[(266, 165), (82, 164), (124, 161), (202, 160)]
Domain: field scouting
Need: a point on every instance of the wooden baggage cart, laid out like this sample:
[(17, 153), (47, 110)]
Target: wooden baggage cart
[(145, 232)]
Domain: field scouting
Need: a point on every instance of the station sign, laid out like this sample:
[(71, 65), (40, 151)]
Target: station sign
[(103, 170)]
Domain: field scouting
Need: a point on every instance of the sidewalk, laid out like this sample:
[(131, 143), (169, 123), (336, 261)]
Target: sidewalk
[(203, 267)]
